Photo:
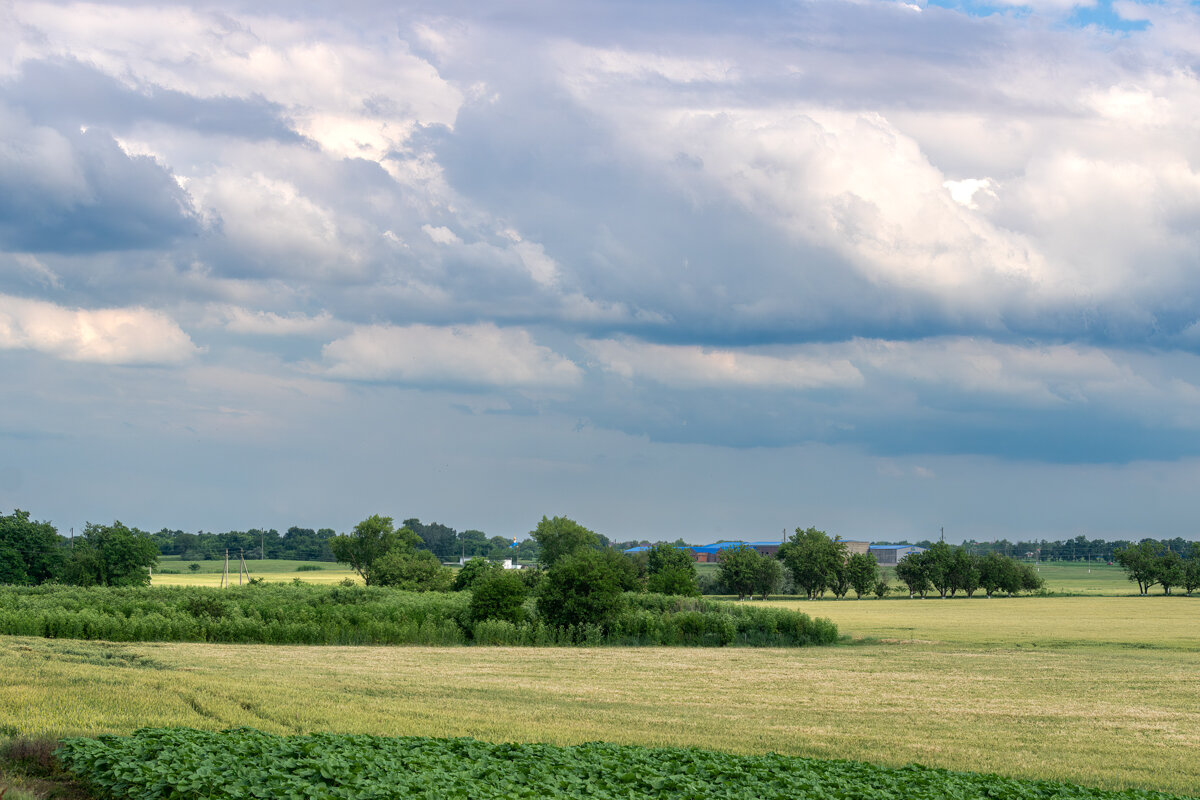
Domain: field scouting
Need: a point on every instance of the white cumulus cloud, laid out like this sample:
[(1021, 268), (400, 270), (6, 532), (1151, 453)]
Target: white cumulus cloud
[(104, 336), (467, 355)]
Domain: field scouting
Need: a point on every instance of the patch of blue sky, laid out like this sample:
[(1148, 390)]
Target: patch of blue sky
[(1099, 14)]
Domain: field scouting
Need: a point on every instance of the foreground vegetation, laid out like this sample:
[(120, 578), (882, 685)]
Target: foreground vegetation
[(1102, 715), (374, 615), (183, 764)]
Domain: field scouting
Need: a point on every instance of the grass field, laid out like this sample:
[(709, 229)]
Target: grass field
[(1127, 622), (271, 570), (1103, 716)]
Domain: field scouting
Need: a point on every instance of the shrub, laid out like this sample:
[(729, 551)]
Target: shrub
[(584, 588), (498, 594), (472, 571), (414, 572)]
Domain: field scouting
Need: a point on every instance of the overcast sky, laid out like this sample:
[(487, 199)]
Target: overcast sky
[(710, 270)]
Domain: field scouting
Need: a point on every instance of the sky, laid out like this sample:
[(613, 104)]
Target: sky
[(672, 269)]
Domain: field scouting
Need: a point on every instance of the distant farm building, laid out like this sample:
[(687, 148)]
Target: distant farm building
[(857, 547), (890, 554)]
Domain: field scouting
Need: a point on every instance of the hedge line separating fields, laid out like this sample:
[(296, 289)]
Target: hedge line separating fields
[(240, 764), (361, 615)]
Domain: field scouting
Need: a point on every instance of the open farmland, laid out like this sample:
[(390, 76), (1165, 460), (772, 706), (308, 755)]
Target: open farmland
[(1127, 622), (271, 570), (1104, 715)]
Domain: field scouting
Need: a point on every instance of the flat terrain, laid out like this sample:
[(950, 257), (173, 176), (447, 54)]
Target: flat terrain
[(1111, 706), (1153, 622), (272, 570)]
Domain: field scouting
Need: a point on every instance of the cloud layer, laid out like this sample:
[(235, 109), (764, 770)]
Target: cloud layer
[(895, 229)]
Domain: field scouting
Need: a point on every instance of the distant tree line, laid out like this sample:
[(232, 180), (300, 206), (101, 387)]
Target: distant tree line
[(306, 544), (1078, 549)]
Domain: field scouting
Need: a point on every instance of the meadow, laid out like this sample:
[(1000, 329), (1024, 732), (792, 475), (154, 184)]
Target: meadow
[(1109, 709), (171, 571)]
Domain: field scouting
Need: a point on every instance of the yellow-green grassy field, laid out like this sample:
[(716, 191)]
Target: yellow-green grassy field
[(1097, 690), (1128, 622), (178, 573), (1104, 716)]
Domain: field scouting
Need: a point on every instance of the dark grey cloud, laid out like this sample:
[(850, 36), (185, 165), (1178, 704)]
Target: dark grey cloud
[(73, 191)]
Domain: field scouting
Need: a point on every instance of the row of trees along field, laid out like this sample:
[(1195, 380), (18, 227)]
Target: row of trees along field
[(816, 563), (1150, 563), (306, 544)]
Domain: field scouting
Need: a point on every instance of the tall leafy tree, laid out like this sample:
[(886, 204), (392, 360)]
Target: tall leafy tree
[(813, 559), (30, 552), (1140, 563), (671, 570), (738, 570), (111, 555), (559, 537), (863, 572), (770, 576), (585, 587), (914, 573), (370, 540)]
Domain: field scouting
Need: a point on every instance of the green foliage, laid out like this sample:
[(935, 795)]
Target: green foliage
[(585, 588), (913, 572), (418, 571), (560, 537), (670, 570), (863, 573), (369, 541), (814, 559), (472, 571), (356, 614), (769, 576), (243, 764), (30, 552), (111, 555), (739, 569), (498, 594), (1140, 562), (674, 580)]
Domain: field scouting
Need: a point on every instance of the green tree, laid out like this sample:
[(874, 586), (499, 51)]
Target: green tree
[(770, 576), (371, 539), (939, 562), (1140, 563), (30, 552), (499, 594), (1191, 570), (994, 570), (560, 537), (585, 588), (882, 587), (111, 555), (1169, 570), (671, 570), (964, 573), (813, 559), (472, 571), (1031, 581), (415, 571), (914, 573), (738, 569), (863, 572)]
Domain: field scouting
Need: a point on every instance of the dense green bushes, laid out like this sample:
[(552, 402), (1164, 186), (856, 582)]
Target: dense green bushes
[(288, 614)]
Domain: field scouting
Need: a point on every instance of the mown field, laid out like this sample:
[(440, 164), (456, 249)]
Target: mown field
[(1153, 622), (1109, 708)]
